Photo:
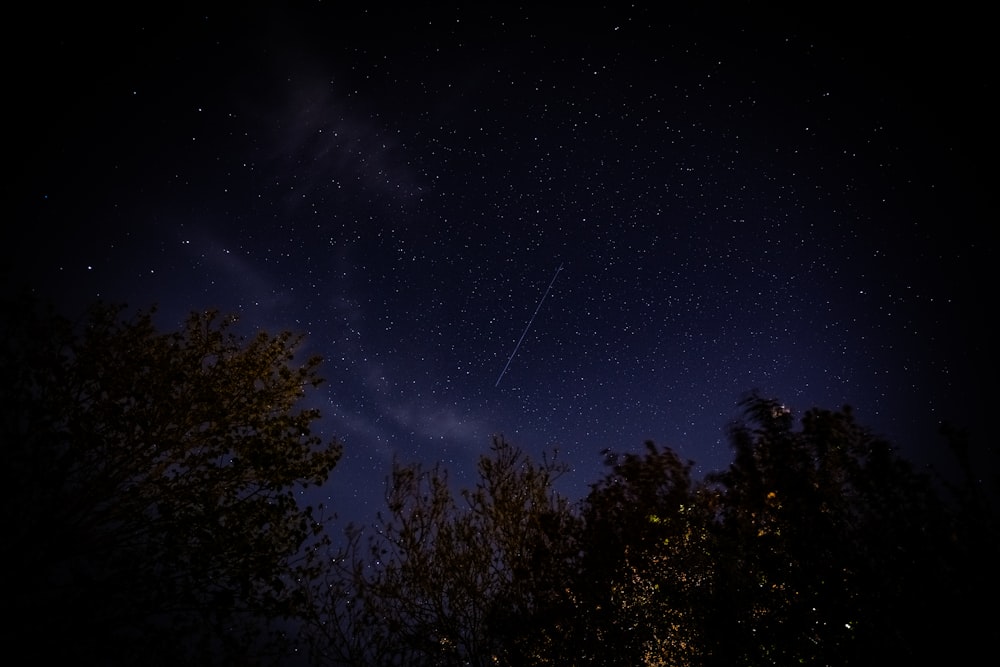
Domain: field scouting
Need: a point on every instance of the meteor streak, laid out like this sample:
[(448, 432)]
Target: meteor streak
[(525, 332)]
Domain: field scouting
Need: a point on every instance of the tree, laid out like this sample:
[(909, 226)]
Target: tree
[(446, 579), (644, 566), (833, 549), (818, 545), (149, 486)]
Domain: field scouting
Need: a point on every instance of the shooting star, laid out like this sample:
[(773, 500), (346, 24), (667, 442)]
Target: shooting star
[(525, 332)]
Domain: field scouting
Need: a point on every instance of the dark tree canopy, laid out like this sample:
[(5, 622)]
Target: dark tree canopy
[(819, 545), (445, 578), (149, 485), (640, 560)]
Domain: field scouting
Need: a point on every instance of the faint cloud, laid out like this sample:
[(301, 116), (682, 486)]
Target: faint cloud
[(317, 141), (440, 423)]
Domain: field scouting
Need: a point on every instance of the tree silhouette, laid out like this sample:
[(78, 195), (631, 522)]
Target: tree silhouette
[(149, 498), (819, 544), (642, 563), (451, 579), (831, 548), (149, 486)]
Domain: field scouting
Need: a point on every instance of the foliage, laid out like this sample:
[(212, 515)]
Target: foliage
[(818, 545), (149, 485), (642, 564), (149, 498), (831, 548), (451, 579)]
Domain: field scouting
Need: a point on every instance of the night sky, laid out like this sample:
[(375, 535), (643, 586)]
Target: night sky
[(737, 200)]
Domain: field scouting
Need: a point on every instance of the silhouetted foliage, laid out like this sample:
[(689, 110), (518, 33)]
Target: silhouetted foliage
[(446, 579), (640, 564), (832, 549), (818, 545), (148, 488)]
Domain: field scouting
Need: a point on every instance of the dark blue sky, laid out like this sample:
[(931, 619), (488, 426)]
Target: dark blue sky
[(739, 201)]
